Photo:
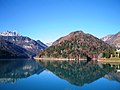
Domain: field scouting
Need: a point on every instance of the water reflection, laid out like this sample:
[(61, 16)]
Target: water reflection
[(77, 73), (116, 74), (80, 73), (13, 70)]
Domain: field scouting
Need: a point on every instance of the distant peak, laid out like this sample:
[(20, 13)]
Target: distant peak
[(9, 33)]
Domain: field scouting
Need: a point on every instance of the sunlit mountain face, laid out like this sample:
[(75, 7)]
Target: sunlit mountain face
[(113, 40), (76, 45)]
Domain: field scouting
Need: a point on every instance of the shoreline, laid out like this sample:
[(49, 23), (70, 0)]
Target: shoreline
[(66, 59), (108, 60), (62, 59)]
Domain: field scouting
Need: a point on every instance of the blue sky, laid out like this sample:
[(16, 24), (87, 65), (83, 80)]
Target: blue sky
[(47, 20)]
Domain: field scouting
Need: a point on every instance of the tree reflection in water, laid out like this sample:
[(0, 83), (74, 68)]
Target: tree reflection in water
[(79, 72)]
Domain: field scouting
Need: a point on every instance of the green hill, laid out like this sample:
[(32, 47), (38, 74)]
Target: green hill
[(76, 45)]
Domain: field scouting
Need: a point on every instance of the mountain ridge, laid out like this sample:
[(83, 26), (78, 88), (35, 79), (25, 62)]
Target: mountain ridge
[(113, 40), (23, 41), (10, 33)]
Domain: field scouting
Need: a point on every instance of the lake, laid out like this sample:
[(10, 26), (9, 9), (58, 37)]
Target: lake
[(24, 74)]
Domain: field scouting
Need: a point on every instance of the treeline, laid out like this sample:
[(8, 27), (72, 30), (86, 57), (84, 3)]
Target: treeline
[(111, 54)]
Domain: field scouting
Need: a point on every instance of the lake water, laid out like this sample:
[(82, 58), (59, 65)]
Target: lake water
[(58, 75)]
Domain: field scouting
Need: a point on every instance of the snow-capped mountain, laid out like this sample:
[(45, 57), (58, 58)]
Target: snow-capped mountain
[(9, 33), (23, 41)]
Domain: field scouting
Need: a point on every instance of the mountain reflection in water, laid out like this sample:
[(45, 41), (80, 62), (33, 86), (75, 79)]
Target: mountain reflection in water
[(81, 72), (12, 70), (77, 73)]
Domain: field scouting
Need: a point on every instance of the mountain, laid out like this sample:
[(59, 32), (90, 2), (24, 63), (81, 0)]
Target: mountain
[(42, 44), (10, 50), (113, 40), (49, 44), (23, 41), (9, 33), (76, 45), (106, 38)]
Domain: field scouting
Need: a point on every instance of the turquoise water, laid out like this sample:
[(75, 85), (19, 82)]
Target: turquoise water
[(58, 75)]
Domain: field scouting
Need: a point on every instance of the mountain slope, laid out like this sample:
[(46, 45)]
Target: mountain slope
[(23, 41), (76, 45), (10, 50), (106, 38), (113, 40), (49, 44), (42, 44)]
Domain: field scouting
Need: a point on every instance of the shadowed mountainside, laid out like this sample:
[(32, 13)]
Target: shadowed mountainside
[(10, 50)]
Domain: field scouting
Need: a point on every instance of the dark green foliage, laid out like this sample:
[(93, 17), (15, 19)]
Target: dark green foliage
[(111, 54), (107, 55)]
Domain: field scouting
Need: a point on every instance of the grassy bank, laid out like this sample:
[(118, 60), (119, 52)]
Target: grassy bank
[(109, 59)]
